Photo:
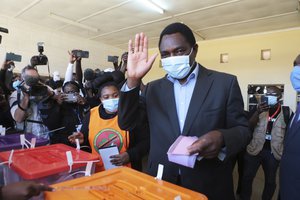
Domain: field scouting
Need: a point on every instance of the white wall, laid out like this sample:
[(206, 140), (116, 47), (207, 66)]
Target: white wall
[(23, 37)]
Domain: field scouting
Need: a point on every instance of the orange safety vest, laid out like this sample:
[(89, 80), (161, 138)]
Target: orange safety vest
[(104, 133)]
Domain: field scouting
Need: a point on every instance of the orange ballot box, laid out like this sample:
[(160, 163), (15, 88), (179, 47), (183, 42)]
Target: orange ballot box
[(120, 183), (46, 164)]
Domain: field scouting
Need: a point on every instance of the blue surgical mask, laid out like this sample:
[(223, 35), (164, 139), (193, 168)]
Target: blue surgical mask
[(295, 78), (272, 100), (111, 104), (177, 67), (16, 84)]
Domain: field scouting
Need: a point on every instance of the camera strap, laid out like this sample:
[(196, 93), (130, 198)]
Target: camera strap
[(34, 121)]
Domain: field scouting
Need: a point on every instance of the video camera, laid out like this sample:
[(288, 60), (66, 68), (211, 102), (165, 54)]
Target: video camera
[(81, 54), (39, 59)]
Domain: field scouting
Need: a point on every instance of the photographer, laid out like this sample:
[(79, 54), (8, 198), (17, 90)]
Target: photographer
[(24, 102), (63, 115), (266, 147)]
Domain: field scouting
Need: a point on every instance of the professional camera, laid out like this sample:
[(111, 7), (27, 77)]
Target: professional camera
[(34, 87), (81, 54), (39, 59)]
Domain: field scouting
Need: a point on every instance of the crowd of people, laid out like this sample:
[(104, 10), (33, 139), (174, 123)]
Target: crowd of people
[(101, 109)]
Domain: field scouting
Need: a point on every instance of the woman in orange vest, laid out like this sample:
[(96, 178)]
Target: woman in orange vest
[(100, 129)]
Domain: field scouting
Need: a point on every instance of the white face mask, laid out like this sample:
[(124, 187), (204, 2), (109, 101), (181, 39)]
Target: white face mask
[(111, 104), (177, 67), (272, 100)]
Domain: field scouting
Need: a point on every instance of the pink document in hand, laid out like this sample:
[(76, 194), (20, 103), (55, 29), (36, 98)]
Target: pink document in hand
[(178, 153)]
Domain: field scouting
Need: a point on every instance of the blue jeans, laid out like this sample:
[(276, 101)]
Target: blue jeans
[(251, 165)]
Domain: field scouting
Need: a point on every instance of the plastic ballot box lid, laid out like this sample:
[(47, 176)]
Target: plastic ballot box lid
[(13, 141), (44, 161), (120, 183)]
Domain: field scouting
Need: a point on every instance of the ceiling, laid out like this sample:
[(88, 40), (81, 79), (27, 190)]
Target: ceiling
[(113, 22)]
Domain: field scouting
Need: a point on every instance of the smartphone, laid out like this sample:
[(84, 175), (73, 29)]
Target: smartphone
[(264, 99), (112, 59), (80, 53), (72, 98), (13, 57)]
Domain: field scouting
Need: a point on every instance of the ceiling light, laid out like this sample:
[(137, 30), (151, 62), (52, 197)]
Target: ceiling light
[(74, 23), (154, 6)]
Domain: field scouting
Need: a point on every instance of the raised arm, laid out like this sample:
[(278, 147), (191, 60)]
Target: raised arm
[(138, 63)]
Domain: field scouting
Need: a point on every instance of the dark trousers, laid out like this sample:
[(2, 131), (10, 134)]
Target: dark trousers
[(239, 160), (251, 165)]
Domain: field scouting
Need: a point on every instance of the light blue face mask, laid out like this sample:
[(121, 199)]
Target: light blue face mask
[(272, 100), (16, 84), (111, 104), (295, 78), (177, 67)]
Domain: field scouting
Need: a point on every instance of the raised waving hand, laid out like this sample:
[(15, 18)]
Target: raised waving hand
[(138, 63)]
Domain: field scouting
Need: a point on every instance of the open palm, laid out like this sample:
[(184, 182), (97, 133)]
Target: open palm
[(138, 63)]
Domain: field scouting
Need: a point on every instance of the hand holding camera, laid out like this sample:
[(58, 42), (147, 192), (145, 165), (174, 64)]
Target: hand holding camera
[(263, 107), (70, 98)]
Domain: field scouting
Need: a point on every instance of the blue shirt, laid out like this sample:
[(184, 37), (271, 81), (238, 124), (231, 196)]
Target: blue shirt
[(183, 95)]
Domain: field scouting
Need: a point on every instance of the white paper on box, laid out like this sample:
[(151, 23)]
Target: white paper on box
[(88, 168), (178, 153), (33, 142), (160, 171), (105, 154)]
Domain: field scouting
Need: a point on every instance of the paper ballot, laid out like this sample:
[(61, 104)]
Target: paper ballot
[(178, 153), (105, 153)]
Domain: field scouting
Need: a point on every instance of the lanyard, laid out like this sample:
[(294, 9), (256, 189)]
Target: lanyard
[(274, 114)]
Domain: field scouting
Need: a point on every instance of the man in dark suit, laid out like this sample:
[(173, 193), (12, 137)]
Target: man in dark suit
[(290, 160), (191, 101)]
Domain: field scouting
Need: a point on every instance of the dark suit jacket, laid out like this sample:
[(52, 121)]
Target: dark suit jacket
[(216, 104), (290, 162)]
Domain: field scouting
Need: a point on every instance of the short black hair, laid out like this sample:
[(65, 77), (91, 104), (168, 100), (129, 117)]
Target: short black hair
[(297, 61), (179, 28), (71, 83), (109, 83)]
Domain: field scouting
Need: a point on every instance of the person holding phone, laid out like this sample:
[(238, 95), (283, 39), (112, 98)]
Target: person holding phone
[(65, 113), (266, 146), (100, 129)]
